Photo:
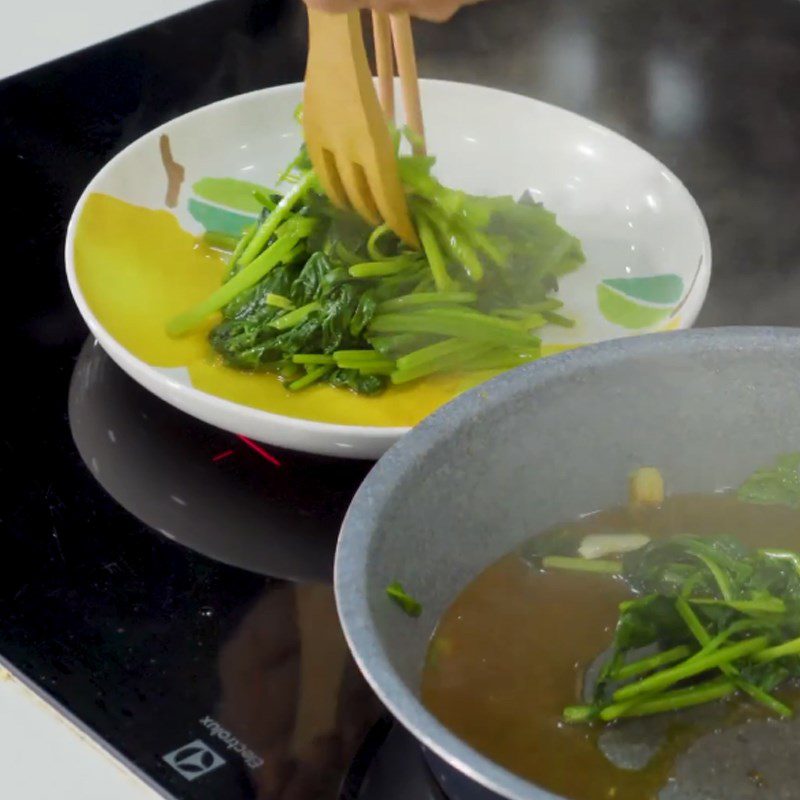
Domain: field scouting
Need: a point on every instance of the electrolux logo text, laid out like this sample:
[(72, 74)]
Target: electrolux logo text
[(232, 743)]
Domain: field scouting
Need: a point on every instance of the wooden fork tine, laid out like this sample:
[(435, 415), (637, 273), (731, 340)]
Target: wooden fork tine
[(384, 61), (388, 205), (409, 79), (383, 33), (345, 183), (325, 165), (358, 190)]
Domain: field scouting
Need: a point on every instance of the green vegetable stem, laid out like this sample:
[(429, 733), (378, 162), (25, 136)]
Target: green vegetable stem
[(398, 594)]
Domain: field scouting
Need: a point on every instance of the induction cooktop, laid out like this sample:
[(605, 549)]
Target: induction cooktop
[(175, 602)]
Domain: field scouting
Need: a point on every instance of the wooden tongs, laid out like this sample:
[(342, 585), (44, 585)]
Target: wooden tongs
[(345, 124)]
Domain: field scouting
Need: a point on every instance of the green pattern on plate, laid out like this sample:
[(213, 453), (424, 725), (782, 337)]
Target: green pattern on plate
[(637, 303), (231, 193)]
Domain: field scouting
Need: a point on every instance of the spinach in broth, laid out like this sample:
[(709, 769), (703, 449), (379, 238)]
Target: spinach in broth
[(521, 644)]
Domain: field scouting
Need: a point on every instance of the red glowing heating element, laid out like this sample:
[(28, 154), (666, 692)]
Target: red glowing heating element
[(260, 450), (223, 454)]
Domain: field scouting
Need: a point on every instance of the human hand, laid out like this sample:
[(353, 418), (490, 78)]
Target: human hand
[(433, 10)]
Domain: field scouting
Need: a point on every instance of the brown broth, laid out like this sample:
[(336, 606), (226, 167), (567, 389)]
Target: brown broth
[(510, 652)]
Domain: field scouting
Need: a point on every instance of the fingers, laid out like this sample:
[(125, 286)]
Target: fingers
[(431, 10), (334, 6), (440, 11)]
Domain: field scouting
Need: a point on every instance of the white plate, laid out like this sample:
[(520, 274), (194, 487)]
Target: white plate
[(646, 242)]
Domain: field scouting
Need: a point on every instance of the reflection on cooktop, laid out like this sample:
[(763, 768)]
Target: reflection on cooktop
[(291, 695), (267, 510), (284, 706)]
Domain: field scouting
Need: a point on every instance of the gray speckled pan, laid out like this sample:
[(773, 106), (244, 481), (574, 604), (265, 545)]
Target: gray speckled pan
[(533, 447)]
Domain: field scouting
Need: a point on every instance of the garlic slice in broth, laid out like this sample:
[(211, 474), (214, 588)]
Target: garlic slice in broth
[(599, 545)]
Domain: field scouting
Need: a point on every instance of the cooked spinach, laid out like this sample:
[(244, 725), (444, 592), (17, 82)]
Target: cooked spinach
[(710, 617), (309, 280), (778, 484)]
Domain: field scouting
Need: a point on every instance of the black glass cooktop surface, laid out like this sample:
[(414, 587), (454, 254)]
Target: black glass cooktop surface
[(167, 584)]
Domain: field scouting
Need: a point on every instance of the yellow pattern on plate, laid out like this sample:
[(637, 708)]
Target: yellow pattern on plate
[(137, 268)]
